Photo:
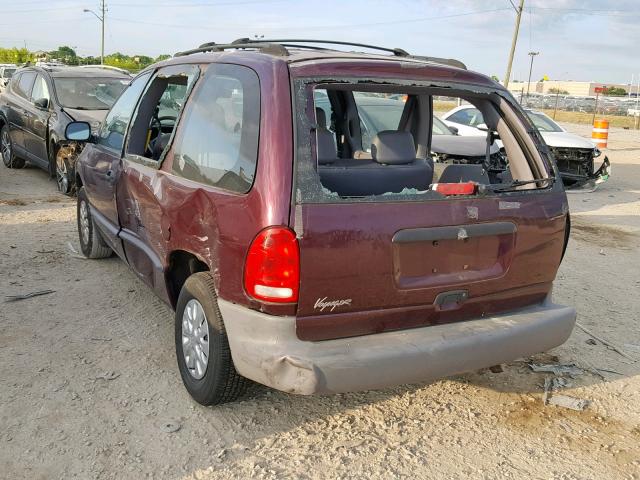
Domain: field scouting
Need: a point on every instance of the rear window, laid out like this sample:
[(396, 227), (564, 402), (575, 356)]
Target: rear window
[(218, 142), (384, 143)]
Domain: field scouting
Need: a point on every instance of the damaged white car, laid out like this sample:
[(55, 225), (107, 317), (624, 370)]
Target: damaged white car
[(574, 155)]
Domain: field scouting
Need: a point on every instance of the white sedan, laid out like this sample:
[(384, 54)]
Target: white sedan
[(574, 154)]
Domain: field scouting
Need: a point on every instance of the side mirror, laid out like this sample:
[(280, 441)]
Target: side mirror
[(483, 127), (78, 131), (42, 103), (454, 130)]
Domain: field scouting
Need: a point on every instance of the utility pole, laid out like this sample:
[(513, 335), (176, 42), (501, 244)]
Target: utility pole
[(532, 55), (103, 9), (102, 45), (513, 44)]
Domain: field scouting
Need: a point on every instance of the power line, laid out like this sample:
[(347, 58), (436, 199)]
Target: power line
[(317, 27)]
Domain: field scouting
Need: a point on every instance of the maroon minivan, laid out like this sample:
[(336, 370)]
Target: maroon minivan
[(311, 251)]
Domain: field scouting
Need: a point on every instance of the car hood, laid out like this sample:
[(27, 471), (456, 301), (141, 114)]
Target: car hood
[(566, 139), (463, 146), (86, 115)]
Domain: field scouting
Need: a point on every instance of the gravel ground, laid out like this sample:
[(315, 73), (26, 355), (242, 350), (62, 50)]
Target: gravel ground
[(89, 386)]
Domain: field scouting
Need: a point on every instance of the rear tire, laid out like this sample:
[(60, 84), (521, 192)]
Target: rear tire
[(6, 146), (91, 242), (207, 368)]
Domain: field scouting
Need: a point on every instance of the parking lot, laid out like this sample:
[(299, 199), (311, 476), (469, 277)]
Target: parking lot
[(91, 387)]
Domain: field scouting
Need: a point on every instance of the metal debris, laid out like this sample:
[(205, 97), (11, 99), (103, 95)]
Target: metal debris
[(591, 341), (578, 404), (568, 369), (612, 346), (170, 427), (14, 298), (549, 398), (108, 376)]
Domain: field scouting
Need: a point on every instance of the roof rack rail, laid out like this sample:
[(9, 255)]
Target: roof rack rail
[(107, 67), (279, 47), (269, 48), (398, 52)]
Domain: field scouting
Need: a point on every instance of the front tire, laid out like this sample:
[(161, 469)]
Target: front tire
[(6, 146), (91, 242), (65, 174), (202, 348)]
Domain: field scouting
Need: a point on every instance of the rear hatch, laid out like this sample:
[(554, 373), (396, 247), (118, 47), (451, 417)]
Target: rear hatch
[(411, 259), (367, 268)]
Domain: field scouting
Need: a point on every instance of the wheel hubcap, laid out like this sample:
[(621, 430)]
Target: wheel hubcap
[(84, 221), (195, 339)]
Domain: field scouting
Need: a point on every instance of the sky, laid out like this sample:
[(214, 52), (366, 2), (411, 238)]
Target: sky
[(587, 40)]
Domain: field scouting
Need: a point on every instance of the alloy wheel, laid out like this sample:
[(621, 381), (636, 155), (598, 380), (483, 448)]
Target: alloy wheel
[(5, 147), (62, 176), (84, 222)]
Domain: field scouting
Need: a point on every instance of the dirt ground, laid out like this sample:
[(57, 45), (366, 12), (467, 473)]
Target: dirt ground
[(89, 386)]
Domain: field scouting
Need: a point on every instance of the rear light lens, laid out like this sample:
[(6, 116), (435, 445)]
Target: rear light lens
[(467, 188), (272, 268)]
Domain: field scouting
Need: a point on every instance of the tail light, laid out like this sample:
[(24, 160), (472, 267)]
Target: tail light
[(272, 267), (467, 188)]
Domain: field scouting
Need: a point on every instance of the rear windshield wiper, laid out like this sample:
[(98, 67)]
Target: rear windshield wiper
[(518, 183)]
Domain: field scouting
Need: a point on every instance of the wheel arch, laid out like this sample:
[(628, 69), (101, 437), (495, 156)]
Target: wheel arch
[(181, 265)]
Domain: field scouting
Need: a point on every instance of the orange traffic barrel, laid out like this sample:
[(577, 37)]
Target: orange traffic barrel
[(600, 133)]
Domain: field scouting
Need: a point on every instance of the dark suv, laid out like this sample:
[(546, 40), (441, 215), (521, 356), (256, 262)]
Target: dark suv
[(38, 104), (233, 181)]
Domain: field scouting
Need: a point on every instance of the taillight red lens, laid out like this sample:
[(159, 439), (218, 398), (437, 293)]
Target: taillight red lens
[(272, 268), (467, 188)]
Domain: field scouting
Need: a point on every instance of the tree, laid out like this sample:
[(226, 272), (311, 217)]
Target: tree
[(614, 92), (66, 55)]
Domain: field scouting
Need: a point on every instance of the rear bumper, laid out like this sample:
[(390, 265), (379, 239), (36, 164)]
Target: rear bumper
[(265, 349)]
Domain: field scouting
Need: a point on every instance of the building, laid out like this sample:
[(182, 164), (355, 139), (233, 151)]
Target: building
[(578, 89)]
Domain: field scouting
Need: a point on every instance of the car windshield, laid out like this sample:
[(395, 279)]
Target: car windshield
[(89, 93), (544, 123), (8, 72)]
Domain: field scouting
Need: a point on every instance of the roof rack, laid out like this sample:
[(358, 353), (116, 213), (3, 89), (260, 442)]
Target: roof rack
[(107, 67), (279, 47)]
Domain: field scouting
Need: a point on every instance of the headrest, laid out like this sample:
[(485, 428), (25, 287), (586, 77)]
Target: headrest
[(392, 147), (321, 118)]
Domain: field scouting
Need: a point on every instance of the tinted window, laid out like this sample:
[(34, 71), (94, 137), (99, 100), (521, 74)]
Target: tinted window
[(467, 116), (218, 144), (8, 72), (40, 89), (115, 125), (25, 82)]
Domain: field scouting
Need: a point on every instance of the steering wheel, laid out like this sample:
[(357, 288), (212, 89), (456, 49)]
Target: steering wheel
[(156, 121)]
